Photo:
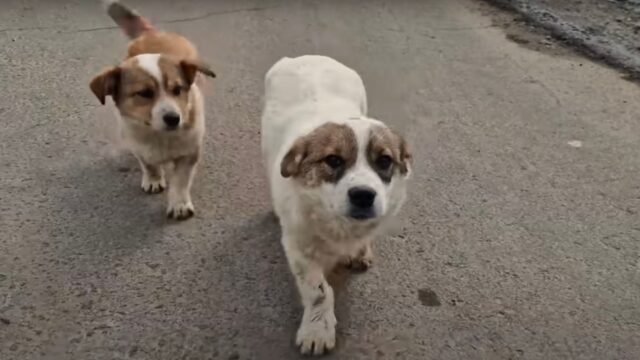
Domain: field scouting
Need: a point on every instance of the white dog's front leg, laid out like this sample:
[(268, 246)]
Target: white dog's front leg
[(180, 205), (317, 332)]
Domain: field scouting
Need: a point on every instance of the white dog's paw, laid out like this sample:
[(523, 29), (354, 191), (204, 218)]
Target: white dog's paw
[(317, 334), (181, 210), (153, 185)]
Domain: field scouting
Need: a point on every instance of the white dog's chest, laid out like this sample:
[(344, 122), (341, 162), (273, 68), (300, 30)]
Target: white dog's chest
[(325, 239), (333, 251)]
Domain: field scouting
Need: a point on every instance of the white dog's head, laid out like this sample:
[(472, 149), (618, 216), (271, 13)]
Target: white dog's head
[(353, 171)]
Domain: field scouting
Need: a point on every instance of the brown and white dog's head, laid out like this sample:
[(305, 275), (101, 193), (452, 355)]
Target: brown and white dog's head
[(151, 90), (355, 170)]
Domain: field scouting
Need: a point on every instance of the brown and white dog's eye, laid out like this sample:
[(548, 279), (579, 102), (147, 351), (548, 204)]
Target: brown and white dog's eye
[(384, 162), (334, 161), (146, 93), (177, 90)]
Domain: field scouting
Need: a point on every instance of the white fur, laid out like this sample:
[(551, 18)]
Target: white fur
[(149, 63), (302, 94)]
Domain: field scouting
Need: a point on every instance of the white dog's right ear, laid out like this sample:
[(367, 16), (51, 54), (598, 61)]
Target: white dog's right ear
[(291, 163)]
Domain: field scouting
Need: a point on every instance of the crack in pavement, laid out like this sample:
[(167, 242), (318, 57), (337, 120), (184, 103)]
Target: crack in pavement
[(214, 13), (464, 28), (171, 21)]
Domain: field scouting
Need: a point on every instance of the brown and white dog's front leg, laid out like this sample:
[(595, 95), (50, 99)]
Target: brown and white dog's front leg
[(180, 205), (153, 181), (363, 260), (317, 332)]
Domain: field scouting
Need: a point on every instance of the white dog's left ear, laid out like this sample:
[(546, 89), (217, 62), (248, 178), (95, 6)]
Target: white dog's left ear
[(290, 165)]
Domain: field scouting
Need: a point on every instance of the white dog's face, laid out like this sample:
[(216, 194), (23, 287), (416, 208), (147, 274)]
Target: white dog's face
[(354, 171)]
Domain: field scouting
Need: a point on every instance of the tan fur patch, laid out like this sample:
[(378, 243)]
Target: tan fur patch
[(307, 159), (384, 142), (174, 46), (160, 42)]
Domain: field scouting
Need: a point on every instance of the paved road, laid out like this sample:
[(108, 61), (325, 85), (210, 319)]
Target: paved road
[(528, 240)]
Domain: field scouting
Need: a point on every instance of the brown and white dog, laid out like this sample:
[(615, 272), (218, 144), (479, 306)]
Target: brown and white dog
[(337, 177), (160, 106)]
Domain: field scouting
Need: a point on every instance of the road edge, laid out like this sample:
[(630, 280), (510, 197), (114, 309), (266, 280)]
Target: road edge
[(596, 47)]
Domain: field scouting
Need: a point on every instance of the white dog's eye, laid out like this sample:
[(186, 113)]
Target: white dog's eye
[(384, 162), (334, 161), (177, 90)]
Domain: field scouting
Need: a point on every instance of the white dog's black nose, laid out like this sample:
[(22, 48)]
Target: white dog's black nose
[(362, 196), (171, 119)]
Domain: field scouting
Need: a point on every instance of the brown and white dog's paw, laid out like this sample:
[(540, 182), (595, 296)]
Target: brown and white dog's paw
[(180, 210), (362, 262), (153, 185), (317, 334)]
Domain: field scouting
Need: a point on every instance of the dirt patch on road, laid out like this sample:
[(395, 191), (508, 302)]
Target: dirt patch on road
[(522, 31), (605, 31)]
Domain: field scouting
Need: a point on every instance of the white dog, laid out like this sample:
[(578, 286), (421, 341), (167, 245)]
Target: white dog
[(336, 176)]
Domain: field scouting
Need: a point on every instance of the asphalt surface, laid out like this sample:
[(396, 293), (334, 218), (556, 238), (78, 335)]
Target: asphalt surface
[(519, 241)]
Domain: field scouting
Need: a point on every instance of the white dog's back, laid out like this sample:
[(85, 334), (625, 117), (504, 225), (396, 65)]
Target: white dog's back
[(298, 90)]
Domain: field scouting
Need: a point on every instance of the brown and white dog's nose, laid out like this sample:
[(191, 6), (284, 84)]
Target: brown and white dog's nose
[(171, 119), (362, 197)]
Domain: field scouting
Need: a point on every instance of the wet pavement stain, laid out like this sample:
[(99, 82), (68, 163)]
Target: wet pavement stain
[(428, 297)]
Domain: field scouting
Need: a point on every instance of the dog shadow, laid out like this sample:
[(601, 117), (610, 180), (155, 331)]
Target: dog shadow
[(265, 302), (101, 210), (265, 299)]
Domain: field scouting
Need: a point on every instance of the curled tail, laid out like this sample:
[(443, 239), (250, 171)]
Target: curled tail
[(131, 23)]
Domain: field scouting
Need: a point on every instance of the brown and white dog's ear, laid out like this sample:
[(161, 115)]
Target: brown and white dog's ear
[(405, 156), (105, 84), (191, 67), (291, 163)]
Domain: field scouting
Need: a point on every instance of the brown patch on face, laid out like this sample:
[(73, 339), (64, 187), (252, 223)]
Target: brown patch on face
[(178, 77), (386, 152), (133, 90), (175, 85), (137, 92), (322, 156)]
